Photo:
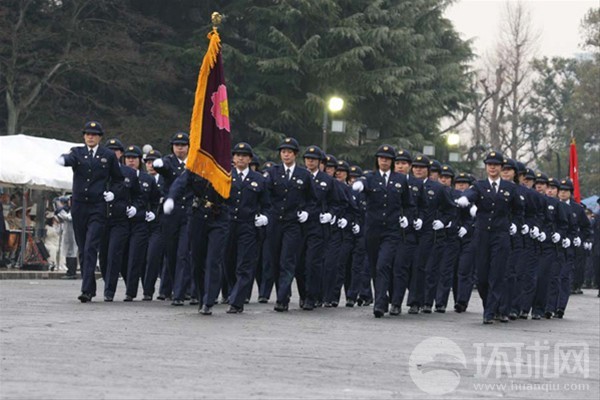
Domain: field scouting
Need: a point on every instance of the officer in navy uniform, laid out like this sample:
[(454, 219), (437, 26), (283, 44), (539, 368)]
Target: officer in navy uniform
[(120, 211), (265, 285), (321, 209), (140, 224), (170, 167), (435, 168), (205, 238), (466, 261), (406, 256), (248, 208), (96, 175), (584, 236), (291, 191), (390, 207), (436, 211), (155, 255), (499, 211)]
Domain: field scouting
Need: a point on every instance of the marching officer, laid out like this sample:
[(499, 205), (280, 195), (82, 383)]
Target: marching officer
[(389, 209), (170, 167), (96, 174), (248, 208), (291, 191), (156, 247), (140, 223), (499, 210)]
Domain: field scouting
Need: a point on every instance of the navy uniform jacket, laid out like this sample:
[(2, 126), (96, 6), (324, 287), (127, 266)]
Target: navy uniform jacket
[(204, 198), (128, 194), (91, 178), (385, 204), (533, 206), (583, 222), (325, 198), (415, 186), (351, 210), (437, 204), (248, 198), (171, 170), (150, 196), (555, 218), (288, 197), (495, 211)]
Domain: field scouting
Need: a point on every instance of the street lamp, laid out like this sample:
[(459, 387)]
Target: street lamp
[(334, 105), (453, 139)]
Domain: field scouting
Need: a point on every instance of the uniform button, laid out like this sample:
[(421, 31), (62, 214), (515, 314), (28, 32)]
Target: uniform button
[(384, 214), (239, 192), (238, 200), (236, 209), (385, 195), (385, 205), (88, 179), (286, 190), (183, 197), (281, 217), (493, 204), (492, 211), (85, 189), (235, 217)]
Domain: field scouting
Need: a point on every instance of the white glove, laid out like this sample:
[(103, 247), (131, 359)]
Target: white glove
[(462, 202), (585, 245), (525, 229), (576, 241), (449, 224), (158, 163), (542, 237), (131, 210), (418, 224), (342, 223), (566, 242), (513, 229), (302, 216), (150, 216), (358, 186), (555, 237), (473, 211), (333, 220), (325, 218), (403, 222), (168, 205), (535, 232), (437, 225), (60, 161), (462, 231), (260, 220), (63, 215), (108, 196), (356, 229)]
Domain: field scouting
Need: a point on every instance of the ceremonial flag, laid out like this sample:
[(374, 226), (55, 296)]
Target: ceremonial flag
[(574, 170), (210, 137)]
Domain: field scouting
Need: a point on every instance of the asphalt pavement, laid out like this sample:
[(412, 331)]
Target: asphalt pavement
[(54, 347)]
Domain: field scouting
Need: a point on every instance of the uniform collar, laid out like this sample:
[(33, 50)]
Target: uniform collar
[(94, 149), (291, 168), (244, 172), (491, 181)]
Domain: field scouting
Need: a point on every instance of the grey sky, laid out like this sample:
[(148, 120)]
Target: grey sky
[(558, 22)]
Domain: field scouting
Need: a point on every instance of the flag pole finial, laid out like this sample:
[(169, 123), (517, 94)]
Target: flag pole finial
[(216, 19)]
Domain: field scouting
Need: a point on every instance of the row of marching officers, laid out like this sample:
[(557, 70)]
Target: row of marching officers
[(410, 226)]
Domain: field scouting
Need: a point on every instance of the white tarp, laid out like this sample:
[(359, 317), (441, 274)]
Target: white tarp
[(31, 161)]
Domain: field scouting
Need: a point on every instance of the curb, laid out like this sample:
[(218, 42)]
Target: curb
[(5, 275)]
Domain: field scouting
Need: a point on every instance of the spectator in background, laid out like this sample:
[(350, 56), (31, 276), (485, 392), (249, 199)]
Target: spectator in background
[(68, 247)]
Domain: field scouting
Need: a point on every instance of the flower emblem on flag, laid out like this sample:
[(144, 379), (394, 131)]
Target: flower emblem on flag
[(220, 108)]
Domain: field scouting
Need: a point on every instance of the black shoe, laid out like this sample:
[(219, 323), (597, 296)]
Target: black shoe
[(367, 303), (378, 313), (503, 318), (440, 309), (426, 309), (187, 297), (128, 298), (205, 310), (334, 304), (488, 321), (280, 307), (301, 303), (161, 297), (350, 303), (513, 316), (224, 300), (413, 309), (395, 310), (247, 301), (559, 313), (318, 304), (536, 316), (308, 306), (263, 300), (108, 299), (84, 297), (460, 308), (194, 301), (177, 303), (71, 277), (548, 315), (524, 315), (234, 309), (359, 302), (147, 298), (327, 304), (496, 317)]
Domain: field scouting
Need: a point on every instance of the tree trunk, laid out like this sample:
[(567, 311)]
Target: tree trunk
[(13, 115)]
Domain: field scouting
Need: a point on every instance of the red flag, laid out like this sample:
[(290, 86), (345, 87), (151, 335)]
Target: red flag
[(210, 137), (574, 171)]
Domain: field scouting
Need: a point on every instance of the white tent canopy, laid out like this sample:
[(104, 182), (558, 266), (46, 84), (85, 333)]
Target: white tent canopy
[(31, 162)]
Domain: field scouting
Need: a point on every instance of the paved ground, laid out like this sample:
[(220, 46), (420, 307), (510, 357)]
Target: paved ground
[(52, 346)]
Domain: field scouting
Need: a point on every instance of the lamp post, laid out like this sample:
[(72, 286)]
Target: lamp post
[(334, 105), (453, 140)]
